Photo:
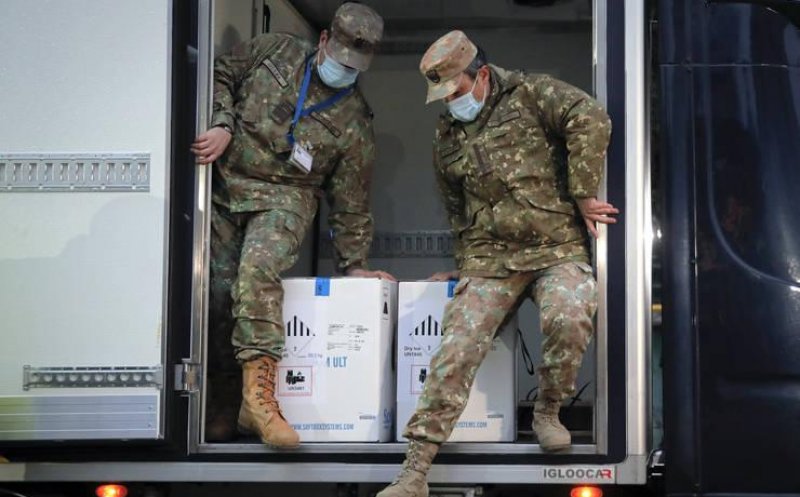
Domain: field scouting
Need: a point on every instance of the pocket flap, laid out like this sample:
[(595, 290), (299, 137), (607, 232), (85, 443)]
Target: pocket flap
[(449, 150), (508, 116)]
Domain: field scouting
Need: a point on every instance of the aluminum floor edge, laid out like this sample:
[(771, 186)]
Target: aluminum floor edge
[(631, 471)]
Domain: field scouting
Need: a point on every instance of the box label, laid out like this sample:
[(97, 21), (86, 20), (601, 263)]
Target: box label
[(322, 287), (346, 338), (303, 339), (426, 336), (296, 381), (451, 288), (324, 427), (418, 375)]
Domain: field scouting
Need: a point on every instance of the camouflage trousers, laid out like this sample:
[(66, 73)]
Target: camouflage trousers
[(567, 300), (249, 251)]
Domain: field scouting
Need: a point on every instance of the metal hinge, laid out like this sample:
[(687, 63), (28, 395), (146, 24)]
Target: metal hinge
[(187, 377)]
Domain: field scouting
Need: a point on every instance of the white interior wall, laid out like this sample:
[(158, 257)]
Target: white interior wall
[(236, 21), (233, 23), (284, 18)]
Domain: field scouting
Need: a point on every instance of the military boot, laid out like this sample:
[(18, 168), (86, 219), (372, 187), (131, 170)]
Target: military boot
[(223, 398), (412, 480), (552, 435), (260, 412)]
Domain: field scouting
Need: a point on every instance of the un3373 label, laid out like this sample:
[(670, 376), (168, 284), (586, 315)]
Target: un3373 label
[(605, 475)]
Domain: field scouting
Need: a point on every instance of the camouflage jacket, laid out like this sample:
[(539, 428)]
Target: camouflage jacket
[(256, 88), (509, 178)]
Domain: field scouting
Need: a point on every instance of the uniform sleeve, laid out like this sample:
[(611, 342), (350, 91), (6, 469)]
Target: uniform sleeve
[(586, 128), (229, 72), (348, 194), (453, 198)]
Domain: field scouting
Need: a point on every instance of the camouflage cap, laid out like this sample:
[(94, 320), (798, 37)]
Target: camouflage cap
[(444, 62), (356, 31)]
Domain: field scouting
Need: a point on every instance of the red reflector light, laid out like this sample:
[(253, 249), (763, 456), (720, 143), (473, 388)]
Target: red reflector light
[(586, 492), (111, 491)]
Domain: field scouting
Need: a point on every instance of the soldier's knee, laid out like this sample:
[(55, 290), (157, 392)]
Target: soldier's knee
[(455, 340), (459, 353), (573, 316), (575, 305), (266, 268)]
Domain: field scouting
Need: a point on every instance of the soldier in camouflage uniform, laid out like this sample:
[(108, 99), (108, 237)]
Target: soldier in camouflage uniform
[(272, 95), (518, 159)]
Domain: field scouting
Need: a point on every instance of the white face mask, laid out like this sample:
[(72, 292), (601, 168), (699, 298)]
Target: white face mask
[(336, 75), (466, 107)]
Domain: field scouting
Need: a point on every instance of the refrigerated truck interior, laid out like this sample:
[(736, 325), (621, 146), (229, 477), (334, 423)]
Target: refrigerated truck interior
[(689, 387)]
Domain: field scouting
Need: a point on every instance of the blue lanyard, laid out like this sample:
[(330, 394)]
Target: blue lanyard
[(300, 112)]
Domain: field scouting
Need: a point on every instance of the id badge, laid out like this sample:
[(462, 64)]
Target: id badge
[(301, 158)]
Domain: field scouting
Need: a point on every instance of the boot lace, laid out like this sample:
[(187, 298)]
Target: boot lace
[(266, 385), (414, 465), (547, 418), (407, 472)]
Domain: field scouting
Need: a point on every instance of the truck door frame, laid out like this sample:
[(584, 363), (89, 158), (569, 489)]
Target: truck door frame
[(618, 42), (619, 71)]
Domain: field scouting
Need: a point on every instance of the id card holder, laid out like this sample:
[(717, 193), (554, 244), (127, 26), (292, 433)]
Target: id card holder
[(301, 158)]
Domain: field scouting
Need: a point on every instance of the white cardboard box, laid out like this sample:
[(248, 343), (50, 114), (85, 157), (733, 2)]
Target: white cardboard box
[(490, 415), (335, 381)]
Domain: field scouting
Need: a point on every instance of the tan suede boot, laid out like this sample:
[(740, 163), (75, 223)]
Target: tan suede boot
[(413, 478), (552, 435), (260, 412)]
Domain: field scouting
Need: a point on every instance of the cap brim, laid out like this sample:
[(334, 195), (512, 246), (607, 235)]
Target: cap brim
[(440, 90), (348, 56)]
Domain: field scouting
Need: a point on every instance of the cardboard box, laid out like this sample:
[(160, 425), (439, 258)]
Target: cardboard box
[(335, 381), (490, 415)]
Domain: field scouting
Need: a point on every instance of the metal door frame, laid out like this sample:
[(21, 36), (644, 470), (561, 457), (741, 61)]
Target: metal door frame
[(630, 469)]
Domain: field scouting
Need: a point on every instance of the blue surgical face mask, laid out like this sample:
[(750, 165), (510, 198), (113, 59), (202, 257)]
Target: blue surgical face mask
[(336, 75), (466, 107)]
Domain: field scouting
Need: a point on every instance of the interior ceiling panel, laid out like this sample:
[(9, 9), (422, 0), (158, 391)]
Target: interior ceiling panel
[(403, 15)]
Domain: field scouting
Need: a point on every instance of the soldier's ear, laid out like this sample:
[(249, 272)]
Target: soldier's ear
[(323, 38), (483, 77)]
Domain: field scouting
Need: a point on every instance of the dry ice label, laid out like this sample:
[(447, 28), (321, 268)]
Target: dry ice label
[(296, 381), (427, 335), (302, 340)]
